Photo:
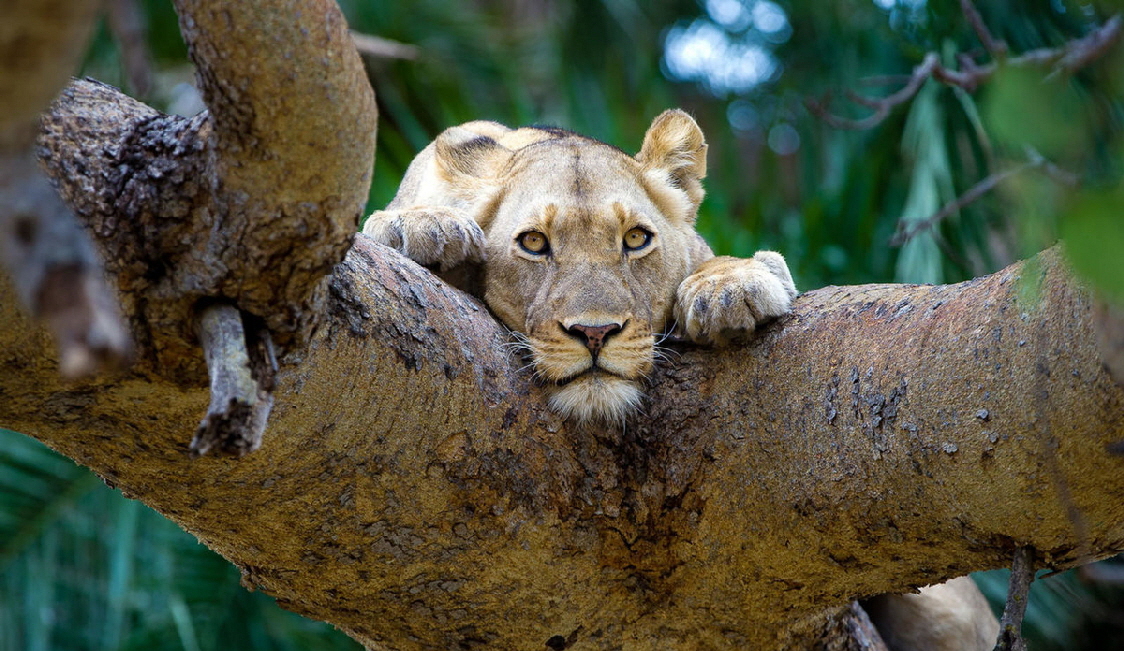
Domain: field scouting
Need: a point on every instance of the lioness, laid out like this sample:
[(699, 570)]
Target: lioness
[(588, 252)]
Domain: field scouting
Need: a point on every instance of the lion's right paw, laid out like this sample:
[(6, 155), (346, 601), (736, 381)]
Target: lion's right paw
[(429, 236), (726, 298)]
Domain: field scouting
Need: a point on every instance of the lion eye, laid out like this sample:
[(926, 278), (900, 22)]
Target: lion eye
[(534, 242), (636, 239)]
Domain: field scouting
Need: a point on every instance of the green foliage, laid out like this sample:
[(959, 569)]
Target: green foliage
[(82, 568), (1093, 231)]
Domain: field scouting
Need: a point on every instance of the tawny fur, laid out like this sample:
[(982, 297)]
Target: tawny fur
[(469, 196), (950, 616)]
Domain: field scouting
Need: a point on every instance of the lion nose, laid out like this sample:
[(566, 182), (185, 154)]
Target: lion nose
[(594, 336)]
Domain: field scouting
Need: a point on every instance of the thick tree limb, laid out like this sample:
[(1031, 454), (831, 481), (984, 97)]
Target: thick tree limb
[(415, 492), (414, 489), (197, 209)]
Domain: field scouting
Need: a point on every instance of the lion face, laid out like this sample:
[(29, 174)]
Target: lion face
[(585, 248)]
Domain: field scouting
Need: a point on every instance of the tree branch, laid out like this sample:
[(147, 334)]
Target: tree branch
[(996, 48), (907, 231), (241, 382), (383, 48), (1066, 59), (416, 492), (268, 245), (1018, 592)]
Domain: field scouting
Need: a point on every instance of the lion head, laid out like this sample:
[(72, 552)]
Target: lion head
[(584, 247)]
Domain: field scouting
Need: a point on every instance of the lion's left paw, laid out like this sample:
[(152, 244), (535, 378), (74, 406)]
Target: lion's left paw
[(726, 298)]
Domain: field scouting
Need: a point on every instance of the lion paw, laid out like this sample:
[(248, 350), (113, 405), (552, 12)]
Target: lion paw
[(726, 298), (429, 236)]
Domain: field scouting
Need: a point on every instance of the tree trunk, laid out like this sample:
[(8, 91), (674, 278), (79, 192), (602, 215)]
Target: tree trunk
[(414, 490)]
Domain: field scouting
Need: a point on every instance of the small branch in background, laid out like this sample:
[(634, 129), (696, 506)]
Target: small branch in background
[(996, 48), (881, 107), (1035, 161), (126, 22), (49, 256), (242, 370), (905, 234), (1078, 54), (383, 48), (1018, 591), (1066, 59), (56, 272)]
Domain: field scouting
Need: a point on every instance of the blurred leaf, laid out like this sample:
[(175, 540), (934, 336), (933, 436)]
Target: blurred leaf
[(1025, 109), (1093, 232), (83, 568), (930, 187)]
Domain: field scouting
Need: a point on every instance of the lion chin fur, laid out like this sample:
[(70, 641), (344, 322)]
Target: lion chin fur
[(602, 398)]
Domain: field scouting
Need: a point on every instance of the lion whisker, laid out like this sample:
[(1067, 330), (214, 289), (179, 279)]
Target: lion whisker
[(667, 334)]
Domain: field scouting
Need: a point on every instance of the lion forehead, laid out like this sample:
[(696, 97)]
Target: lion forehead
[(587, 180)]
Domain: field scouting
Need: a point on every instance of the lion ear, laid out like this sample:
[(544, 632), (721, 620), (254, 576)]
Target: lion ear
[(462, 152), (675, 145)]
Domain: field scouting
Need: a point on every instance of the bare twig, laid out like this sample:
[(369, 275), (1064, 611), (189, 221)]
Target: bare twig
[(1018, 590), (1077, 54), (906, 233), (1066, 59), (241, 370), (126, 22), (881, 107), (1035, 160), (996, 48), (383, 48)]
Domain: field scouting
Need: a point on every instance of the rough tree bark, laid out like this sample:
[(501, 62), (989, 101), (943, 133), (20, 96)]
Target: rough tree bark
[(414, 490)]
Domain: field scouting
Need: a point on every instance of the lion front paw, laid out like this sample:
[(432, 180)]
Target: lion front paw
[(726, 298), (429, 236)]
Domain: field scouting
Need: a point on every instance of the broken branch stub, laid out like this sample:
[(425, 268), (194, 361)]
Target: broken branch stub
[(241, 369)]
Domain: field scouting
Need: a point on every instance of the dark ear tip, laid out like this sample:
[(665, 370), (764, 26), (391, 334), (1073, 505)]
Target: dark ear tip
[(464, 151), (454, 139)]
